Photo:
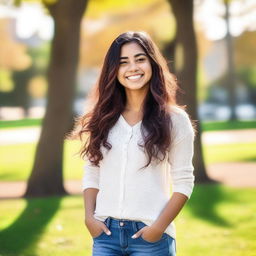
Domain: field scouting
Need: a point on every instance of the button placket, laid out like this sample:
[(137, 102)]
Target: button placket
[(123, 170)]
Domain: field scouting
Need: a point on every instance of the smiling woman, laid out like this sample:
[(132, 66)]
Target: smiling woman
[(135, 69), (139, 142)]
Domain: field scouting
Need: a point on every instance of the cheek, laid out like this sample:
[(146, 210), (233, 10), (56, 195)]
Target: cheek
[(119, 75), (148, 69)]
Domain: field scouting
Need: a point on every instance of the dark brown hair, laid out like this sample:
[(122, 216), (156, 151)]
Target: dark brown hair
[(110, 101)]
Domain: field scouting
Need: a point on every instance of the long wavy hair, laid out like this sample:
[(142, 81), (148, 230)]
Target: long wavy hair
[(110, 100)]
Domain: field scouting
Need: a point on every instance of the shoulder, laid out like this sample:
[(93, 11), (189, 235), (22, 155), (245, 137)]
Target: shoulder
[(178, 115), (181, 124)]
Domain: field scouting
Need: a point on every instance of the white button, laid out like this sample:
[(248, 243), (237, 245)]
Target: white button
[(121, 224)]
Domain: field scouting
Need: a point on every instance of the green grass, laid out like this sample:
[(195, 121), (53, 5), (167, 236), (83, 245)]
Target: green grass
[(19, 167), (217, 220), (230, 125), (27, 122), (235, 152), (206, 126), (16, 161)]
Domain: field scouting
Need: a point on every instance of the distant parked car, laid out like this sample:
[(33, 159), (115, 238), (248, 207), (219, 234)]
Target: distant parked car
[(246, 111), (214, 111)]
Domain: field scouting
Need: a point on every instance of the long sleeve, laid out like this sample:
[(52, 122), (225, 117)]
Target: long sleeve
[(181, 154), (91, 176)]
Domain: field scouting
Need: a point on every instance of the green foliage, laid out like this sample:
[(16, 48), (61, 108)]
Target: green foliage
[(248, 76), (49, 2), (108, 23), (99, 8), (40, 56), (6, 83)]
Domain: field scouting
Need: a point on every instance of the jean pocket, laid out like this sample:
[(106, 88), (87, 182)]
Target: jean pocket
[(96, 237), (141, 225), (102, 233), (163, 237)]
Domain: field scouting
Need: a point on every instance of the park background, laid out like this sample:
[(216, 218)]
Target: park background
[(50, 56)]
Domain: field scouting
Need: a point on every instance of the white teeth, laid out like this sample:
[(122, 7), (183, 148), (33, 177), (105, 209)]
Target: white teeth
[(134, 77)]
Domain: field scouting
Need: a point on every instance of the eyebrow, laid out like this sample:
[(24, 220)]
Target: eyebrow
[(136, 55)]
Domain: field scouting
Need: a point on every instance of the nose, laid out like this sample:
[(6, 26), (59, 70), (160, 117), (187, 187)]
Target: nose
[(133, 66)]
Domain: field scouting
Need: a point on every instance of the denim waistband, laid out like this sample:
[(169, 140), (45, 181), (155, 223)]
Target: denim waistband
[(124, 223)]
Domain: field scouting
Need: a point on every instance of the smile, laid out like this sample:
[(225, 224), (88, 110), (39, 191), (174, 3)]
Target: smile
[(135, 77)]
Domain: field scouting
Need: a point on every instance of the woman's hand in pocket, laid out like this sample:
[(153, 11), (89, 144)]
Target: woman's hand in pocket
[(96, 227), (149, 234)]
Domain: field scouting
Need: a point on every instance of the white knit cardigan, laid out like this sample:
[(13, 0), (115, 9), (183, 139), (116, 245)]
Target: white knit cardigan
[(125, 192)]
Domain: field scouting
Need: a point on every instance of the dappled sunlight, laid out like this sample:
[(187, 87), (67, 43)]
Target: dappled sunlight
[(26, 230), (204, 203)]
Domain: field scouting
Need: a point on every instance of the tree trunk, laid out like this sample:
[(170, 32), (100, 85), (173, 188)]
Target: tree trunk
[(47, 176), (168, 52), (230, 81), (187, 72)]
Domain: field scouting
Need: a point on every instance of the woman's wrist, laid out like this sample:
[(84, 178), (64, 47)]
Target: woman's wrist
[(89, 217), (157, 228)]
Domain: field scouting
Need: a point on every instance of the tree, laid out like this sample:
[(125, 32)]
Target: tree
[(185, 46), (46, 177), (231, 80)]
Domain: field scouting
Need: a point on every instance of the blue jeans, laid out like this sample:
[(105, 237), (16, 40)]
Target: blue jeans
[(120, 243)]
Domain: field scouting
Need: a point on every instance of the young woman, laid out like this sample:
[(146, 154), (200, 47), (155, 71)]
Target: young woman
[(139, 143)]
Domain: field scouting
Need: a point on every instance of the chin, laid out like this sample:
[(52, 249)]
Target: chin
[(136, 87)]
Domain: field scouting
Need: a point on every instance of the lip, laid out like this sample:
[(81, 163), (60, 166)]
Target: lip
[(134, 77)]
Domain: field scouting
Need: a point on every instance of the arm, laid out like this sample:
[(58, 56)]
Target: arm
[(180, 159), (90, 187), (90, 195), (171, 210), (90, 191)]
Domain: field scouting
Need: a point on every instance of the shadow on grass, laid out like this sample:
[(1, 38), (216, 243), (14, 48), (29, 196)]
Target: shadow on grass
[(250, 159), (204, 201), (25, 232)]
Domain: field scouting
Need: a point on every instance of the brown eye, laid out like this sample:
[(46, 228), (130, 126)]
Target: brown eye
[(122, 62)]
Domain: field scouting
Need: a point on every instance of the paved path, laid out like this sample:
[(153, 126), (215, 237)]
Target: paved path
[(234, 174), (230, 174), (26, 135), (229, 136), (15, 189)]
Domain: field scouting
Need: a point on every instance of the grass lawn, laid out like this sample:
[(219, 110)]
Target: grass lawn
[(216, 221), (26, 122), (19, 167), (230, 125), (206, 126), (237, 152)]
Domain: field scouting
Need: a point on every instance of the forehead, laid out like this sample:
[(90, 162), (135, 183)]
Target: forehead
[(131, 49)]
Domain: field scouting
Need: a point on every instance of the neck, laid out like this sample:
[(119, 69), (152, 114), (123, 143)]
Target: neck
[(135, 99)]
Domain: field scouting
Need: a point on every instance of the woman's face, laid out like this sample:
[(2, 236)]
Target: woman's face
[(135, 70)]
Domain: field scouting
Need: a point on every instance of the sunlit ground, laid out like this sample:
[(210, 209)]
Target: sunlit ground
[(217, 220)]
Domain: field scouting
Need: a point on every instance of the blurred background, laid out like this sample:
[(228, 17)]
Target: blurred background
[(51, 53)]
